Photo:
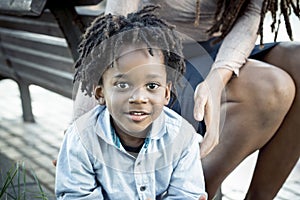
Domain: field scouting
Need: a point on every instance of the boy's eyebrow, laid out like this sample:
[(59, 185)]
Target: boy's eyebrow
[(119, 75)]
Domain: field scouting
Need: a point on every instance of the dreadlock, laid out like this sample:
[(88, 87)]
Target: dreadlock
[(229, 10), (107, 33), (286, 8)]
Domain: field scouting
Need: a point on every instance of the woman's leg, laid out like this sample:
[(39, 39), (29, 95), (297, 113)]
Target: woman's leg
[(278, 157), (253, 108)]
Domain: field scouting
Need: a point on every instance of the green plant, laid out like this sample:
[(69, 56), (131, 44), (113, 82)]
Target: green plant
[(14, 184)]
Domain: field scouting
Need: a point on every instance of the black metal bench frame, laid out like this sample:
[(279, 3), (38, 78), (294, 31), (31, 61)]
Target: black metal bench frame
[(38, 45)]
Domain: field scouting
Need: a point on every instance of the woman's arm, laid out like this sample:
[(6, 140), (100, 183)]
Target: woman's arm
[(240, 41), (233, 53), (121, 7)]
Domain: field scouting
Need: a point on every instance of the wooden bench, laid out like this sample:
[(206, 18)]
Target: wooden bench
[(38, 44)]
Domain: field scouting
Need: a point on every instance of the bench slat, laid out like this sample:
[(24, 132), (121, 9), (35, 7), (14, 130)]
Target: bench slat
[(45, 77), (6, 71), (37, 57), (53, 48), (22, 7), (45, 24), (41, 50)]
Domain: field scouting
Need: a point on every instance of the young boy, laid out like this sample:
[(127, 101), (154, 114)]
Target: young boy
[(130, 146)]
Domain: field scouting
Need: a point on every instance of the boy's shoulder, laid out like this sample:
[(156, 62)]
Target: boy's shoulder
[(82, 134), (83, 128), (89, 120)]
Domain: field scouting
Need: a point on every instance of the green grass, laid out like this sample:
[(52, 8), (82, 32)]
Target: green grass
[(14, 185)]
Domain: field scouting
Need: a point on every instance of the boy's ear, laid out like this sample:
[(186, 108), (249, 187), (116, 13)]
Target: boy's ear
[(99, 95), (168, 93)]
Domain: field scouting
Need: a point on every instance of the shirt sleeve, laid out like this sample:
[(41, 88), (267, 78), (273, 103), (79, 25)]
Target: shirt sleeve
[(82, 103), (240, 41), (121, 7), (187, 181), (75, 178)]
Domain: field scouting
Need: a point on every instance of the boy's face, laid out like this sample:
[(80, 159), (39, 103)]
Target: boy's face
[(135, 90)]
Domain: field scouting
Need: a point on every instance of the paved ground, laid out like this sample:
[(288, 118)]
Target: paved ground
[(36, 144)]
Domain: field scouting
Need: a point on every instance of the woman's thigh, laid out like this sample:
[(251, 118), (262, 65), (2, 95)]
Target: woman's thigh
[(253, 107), (256, 80), (286, 55), (263, 94)]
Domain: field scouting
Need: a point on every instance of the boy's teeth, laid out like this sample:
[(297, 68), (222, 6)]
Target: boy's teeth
[(137, 113)]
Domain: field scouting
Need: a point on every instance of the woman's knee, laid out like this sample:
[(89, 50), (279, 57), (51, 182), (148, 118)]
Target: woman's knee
[(268, 89), (280, 88)]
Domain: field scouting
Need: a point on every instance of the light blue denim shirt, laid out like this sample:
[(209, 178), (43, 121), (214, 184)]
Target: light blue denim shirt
[(92, 164)]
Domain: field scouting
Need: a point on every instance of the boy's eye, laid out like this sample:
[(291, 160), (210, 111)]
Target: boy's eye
[(122, 85), (152, 86)]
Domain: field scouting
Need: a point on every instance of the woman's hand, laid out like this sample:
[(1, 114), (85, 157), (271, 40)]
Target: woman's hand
[(207, 106)]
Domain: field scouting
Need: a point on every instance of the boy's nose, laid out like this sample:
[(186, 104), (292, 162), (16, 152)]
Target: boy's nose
[(138, 96)]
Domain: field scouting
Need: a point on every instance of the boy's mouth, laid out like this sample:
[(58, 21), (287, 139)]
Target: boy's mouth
[(138, 115)]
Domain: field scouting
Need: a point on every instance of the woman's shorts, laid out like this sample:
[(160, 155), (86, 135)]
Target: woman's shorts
[(199, 59)]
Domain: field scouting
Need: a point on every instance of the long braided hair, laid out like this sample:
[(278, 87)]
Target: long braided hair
[(107, 34), (229, 10)]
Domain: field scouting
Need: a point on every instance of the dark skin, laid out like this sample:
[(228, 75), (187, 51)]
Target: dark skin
[(274, 135), (287, 137)]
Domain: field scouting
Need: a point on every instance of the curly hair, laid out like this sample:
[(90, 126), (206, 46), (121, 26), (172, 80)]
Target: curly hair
[(228, 12), (108, 33)]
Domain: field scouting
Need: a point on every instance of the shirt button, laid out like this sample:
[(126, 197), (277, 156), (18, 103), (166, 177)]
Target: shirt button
[(142, 188), (139, 163)]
